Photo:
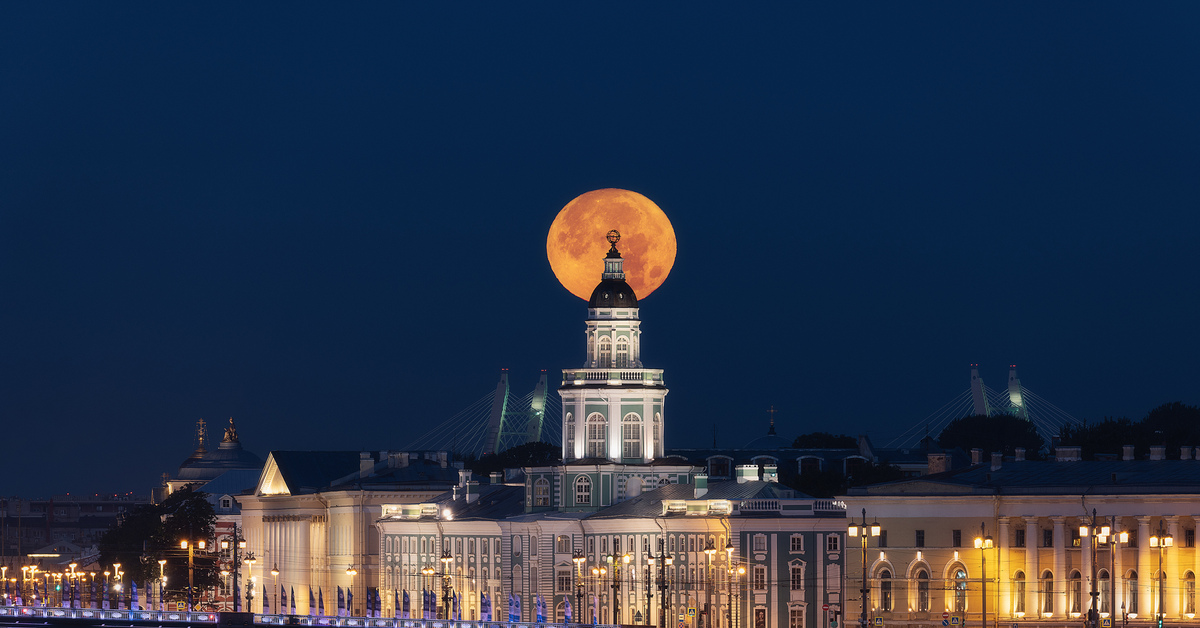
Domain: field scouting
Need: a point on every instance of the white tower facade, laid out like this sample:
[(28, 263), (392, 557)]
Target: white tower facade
[(613, 407)]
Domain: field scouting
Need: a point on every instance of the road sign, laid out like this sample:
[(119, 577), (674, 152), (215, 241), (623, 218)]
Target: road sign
[(1104, 623), (681, 617), (691, 612), (824, 607), (945, 622), (954, 621), (878, 621), (946, 615)]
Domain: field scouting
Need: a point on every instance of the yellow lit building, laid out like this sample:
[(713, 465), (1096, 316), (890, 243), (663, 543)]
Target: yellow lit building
[(1016, 542)]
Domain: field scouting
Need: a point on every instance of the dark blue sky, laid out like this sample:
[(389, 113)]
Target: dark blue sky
[(328, 221)]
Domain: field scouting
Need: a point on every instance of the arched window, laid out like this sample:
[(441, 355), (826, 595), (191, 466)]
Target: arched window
[(597, 436), (1075, 592), (631, 436), (569, 421), (922, 591), (541, 492), (583, 491), (1189, 593), (1105, 590), (960, 589), (885, 591), (1019, 593), (1131, 592), (604, 352), (1046, 593), (622, 352)]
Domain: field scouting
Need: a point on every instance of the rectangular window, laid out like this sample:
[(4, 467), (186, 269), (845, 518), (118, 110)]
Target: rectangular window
[(563, 581), (920, 540), (795, 618), (1189, 538), (832, 543), (797, 578), (883, 538), (1075, 541), (956, 538), (1019, 540), (1047, 538), (797, 543), (760, 542), (631, 438), (564, 544), (760, 578)]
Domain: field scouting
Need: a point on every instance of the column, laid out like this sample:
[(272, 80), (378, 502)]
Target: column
[(1060, 566), (1173, 586), (614, 437), (1118, 570), (1003, 573), (1032, 574), (1146, 566), (649, 444)]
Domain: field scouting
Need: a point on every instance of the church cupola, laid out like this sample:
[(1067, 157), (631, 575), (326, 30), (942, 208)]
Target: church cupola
[(612, 291)]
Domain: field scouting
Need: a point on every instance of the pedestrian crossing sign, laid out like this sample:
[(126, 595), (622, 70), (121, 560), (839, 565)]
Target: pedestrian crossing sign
[(878, 621), (955, 621), (1106, 622)]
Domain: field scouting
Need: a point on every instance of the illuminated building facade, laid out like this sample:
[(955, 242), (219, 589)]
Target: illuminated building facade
[(1047, 554)]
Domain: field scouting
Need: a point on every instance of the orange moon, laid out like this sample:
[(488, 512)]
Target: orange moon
[(576, 246)]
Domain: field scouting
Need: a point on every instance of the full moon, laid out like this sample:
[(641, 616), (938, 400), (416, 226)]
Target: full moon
[(576, 246)]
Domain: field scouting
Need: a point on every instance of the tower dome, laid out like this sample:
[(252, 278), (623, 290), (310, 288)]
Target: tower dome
[(613, 291)]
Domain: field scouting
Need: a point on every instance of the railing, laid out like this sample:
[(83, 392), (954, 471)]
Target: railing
[(829, 505), (38, 612), (49, 612), (645, 377), (759, 505)]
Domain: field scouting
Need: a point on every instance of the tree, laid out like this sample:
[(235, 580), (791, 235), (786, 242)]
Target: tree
[(1175, 423), (999, 433), (528, 455), (152, 532), (824, 440)]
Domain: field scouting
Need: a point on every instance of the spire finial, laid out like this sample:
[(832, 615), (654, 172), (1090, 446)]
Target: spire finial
[(201, 436), (771, 411)]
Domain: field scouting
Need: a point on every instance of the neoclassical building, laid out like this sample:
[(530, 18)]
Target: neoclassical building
[(1047, 553), (643, 534)]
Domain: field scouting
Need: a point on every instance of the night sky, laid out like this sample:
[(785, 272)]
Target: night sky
[(329, 221)]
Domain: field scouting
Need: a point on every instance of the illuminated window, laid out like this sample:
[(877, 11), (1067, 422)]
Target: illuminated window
[(631, 436), (541, 492), (1046, 592), (795, 618), (1189, 592), (1019, 592), (597, 435), (1075, 592), (563, 544), (622, 352), (923, 591), (604, 352), (960, 590), (885, 590), (1131, 592), (583, 491), (1105, 590)]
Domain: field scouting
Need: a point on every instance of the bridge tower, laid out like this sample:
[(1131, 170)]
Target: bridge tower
[(1015, 399), (977, 395), (496, 419)]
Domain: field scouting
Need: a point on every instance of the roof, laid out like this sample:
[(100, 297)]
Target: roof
[(233, 482), (1048, 477), (228, 455), (496, 501), (310, 471), (614, 293), (649, 503)]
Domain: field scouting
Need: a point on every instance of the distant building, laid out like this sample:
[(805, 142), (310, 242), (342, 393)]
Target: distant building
[(32, 531)]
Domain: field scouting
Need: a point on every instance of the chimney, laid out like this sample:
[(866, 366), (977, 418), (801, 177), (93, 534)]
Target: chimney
[(976, 456), (701, 485), (997, 460), (770, 473), (472, 491), (496, 477), (1020, 457), (1067, 454), (1158, 452), (1185, 453), (937, 463), (454, 492), (365, 464), (464, 476), (1127, 452), (747, 473), (443, 459)]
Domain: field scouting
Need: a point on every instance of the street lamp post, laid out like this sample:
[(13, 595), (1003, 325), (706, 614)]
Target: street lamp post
[(447, 585), (983, 542), (1096, 534), (190, 546), (249, 560), (864, 531), (735, 571), (598, 576), (162, 583), (275, 575), (578, 558), (615, 563), (709, 551), (350, 571), (663, 561), (1161, 541), (235, 543)]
